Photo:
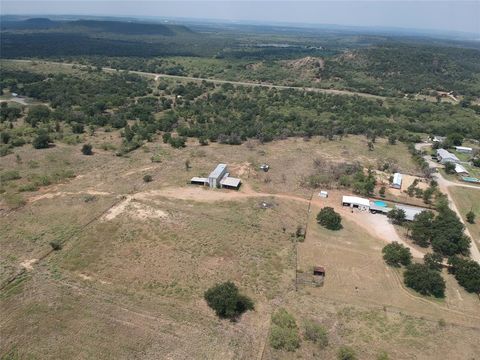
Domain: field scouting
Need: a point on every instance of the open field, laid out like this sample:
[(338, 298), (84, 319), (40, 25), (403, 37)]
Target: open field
[(138, 256), (466, 200)]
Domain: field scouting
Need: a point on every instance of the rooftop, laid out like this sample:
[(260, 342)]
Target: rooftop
[(356, 200), (460, 169), (230, 181), (444, 154), (410, 211), (397, 178), (218, 171)]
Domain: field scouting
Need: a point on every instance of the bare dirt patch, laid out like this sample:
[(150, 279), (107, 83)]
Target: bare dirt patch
[(28, 264)]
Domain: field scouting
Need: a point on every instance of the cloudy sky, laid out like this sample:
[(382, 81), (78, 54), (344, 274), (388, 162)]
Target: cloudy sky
[(428, 14)]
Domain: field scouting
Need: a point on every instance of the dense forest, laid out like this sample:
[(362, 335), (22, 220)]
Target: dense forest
[(230, 114), (396, 68)]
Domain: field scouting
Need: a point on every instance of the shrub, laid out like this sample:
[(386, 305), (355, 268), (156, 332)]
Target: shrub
[(284, 338), (87, 149), (156, 158), (424, 280), (14, 200), (28, 187), (56, 245), (41, 141), (284, 331), (177, 142), (346, 353), (396, 254), (316, 333), (5, 150), (226, 301), (471, 217), (166, 137), (147, 178), (107, 146), (328, 218), (10, 175), (203, 141)]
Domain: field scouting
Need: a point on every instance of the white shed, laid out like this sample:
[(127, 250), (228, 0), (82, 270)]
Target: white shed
[(397, 181)]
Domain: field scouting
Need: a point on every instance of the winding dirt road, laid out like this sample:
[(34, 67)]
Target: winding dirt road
[(157, 76)]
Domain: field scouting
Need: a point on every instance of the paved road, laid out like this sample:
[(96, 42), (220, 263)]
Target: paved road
[(157, 76), (444, 186)]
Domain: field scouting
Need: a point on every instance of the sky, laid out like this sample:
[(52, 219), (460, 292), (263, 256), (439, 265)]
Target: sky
[(427, 14)]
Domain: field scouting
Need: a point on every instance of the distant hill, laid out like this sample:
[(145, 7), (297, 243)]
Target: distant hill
[(129, 28), (33, 23), (104, 26)]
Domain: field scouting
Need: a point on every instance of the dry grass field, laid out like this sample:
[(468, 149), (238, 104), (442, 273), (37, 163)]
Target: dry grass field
[(468, 199), (137, 257)]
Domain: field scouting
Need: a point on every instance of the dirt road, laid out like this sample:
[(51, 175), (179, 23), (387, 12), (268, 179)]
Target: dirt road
[(157, 76), (444, 186)]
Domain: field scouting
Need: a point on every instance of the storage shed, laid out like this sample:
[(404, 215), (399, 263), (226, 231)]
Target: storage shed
[(464, 149), (460, 170), (397, 181)]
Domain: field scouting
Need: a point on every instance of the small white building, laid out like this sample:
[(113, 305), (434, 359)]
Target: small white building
[(444, 156), (460, 170), (464, 149), (397, 181), (356, 202), (438, 139), (323, 194)]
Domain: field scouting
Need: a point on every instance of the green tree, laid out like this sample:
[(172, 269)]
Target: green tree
[(87, 149), (471, 217), (38, 114), (447, 233), (397, 216), (396, 254), (382, 191), (328, 218), (226, 301), (42, 140), (467, 273), (421, 228), (450, 168), (455, 139), (433, 261), (424, 280)]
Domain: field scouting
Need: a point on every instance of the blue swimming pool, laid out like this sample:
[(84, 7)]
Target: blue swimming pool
[(380, 203)]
